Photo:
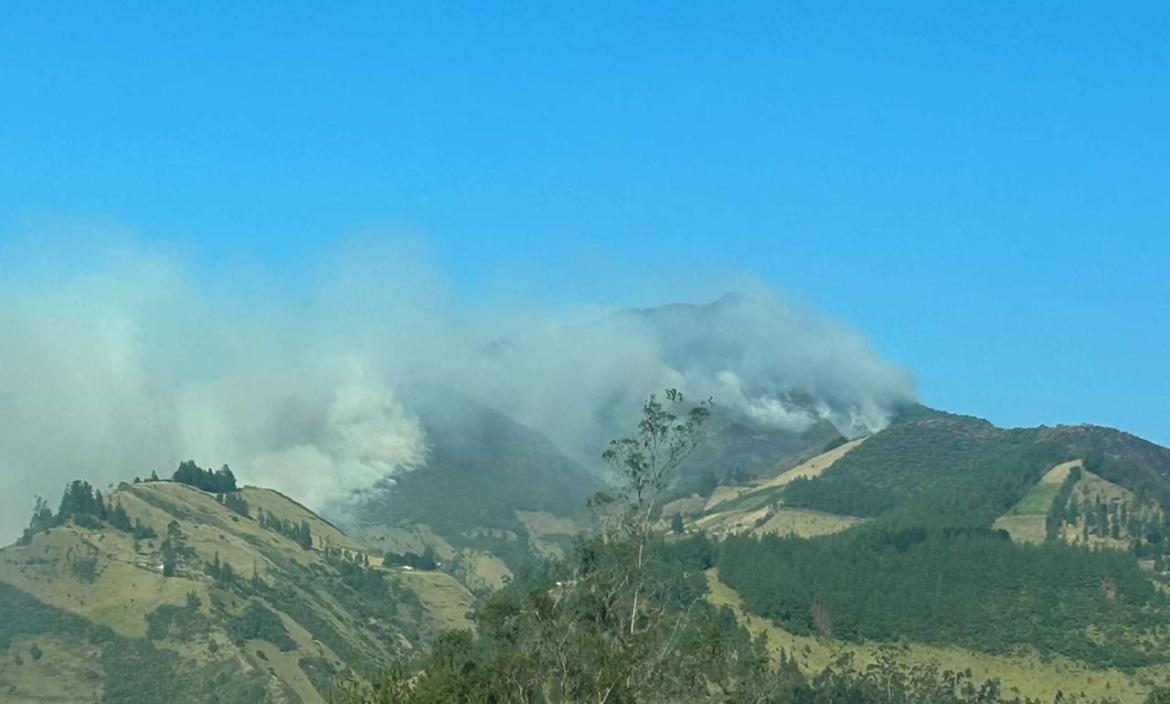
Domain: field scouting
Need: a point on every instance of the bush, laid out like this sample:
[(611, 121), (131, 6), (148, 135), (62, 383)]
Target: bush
[(258, 622)]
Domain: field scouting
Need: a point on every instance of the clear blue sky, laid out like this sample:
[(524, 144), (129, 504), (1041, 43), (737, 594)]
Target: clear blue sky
[(983, 190)]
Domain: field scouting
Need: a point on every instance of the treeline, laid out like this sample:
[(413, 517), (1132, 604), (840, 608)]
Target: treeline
[(1144, 528), (234, 501), (426, 561), (967, 587), (1060, 504), (557, 634), (85, 506), (299, 533), (220, 481)]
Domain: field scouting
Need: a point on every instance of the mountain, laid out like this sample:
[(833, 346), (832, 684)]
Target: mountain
[(940, 470), (1032, 555), (1042, 545), (734, 448), (160, 591), (491, 489), (775, 365)]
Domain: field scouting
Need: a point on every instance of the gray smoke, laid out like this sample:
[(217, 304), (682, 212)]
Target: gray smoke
[(122, 360)]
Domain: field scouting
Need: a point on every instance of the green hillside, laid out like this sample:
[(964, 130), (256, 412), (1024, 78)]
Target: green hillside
[(485, 471), (162, 592), (929, 564), (954, 468)]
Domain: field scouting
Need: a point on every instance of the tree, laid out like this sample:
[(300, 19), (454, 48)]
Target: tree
[(80, 501), (428, 560), (305, 536), (221, 481), (120, 519), (225, 480), (1094, 460), (256, 583), (643, 464), (676, 524), (235, 502), (169, 558), (172, 548), (42, 519)]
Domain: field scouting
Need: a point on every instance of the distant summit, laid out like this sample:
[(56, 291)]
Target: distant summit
[(778, 365)]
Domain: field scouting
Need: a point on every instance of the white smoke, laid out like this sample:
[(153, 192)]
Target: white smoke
[(122, 360), (779, 364)]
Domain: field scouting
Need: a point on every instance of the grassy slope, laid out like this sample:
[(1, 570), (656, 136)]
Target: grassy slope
[(760, 491), (1026, 521), (319, 613), (927, 465), (446, 601), (753, 507)]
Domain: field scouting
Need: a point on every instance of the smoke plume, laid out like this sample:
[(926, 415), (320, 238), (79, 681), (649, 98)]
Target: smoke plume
[(125, 360)]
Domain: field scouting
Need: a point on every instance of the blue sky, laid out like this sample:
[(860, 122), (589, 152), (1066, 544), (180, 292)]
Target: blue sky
[(981, 189)]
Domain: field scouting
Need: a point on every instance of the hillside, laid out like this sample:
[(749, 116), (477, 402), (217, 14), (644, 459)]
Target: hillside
[(1029, 673), (1026, 553), (485, 477), (896, 538), (170, 594), (735, 450)]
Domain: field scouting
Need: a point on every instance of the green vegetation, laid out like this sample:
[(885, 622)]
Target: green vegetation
[(625, 618), (80, 504), (133, 671), (21, 614), (1037, 501), (971, 588), (425, 561), (139, 673), (298, 532), (258, 622), (935, 572), (234, 501), (220, 481), (358, 612), (626, 613), (179, 623), (1059, 504), (931, 471), (482, 467)]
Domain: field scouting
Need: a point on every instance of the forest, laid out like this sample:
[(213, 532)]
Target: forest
[(939, 472), (970, 588)]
